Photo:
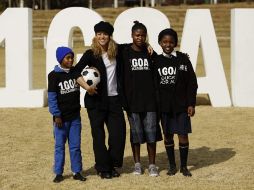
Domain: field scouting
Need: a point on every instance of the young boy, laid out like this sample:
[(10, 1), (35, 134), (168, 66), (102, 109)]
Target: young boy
[(177, 88), (64, 105)]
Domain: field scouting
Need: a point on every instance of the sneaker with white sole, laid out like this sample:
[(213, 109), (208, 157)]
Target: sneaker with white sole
[(137, 169), (153, 171)]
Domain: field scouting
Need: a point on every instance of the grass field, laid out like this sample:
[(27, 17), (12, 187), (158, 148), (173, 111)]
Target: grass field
[(221, 147), (221, 153)]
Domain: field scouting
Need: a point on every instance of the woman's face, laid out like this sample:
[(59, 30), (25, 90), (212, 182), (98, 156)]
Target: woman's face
[(139, 37), (102, 38)]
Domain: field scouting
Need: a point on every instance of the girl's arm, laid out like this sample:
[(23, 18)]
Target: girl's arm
[(192, 84)]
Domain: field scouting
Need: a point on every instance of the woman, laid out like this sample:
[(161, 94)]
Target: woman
[(103, 102)]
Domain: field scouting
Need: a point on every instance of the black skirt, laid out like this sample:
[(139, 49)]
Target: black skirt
[(179, 123)]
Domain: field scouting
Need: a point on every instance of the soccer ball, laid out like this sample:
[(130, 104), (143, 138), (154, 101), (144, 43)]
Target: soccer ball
[(91, 76)]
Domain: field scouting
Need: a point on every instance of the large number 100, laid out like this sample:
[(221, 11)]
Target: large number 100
[(16, 31)]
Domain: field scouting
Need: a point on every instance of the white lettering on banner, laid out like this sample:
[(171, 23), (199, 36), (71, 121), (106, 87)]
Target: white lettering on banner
[(242, 62), (19, 49), (16, 32), (154, 20), (214, 83), (61, 31)]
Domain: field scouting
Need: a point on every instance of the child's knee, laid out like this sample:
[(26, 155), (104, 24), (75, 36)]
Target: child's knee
[(183, 138), (168, 139)]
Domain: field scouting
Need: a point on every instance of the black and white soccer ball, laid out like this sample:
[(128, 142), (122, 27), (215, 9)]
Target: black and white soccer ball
[(91, 76)]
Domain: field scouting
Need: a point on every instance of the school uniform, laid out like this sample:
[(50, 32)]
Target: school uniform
[(176, 84), (105, 107), (64, 102)]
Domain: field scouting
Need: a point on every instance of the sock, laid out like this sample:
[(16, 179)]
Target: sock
[(183, 149), (170, 149)]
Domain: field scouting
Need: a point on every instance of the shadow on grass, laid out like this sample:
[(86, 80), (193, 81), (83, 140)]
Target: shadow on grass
[(198, 158), (203, 156)]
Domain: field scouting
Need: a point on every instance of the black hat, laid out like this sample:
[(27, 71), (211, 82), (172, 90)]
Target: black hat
[(170, 32), (104, 27)]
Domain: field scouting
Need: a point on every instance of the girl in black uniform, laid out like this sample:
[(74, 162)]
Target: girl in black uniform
[(177, 86), (139, 91), (104, 102)]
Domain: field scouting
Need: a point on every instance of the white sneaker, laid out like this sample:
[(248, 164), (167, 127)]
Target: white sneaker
[(153, 171), (137, 169)]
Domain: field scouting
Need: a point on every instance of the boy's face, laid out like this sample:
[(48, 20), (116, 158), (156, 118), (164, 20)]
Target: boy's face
[(139, 37), (67, 61), (167, 44)]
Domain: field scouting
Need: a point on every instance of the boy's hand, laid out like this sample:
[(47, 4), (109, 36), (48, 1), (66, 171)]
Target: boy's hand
[(191, 111), (58, 122), (91, 90)]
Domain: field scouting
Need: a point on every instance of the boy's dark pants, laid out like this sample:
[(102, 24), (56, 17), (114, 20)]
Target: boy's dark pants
[(113, 117)]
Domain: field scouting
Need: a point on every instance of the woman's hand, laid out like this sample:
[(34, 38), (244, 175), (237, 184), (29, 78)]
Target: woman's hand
[(91, 90)]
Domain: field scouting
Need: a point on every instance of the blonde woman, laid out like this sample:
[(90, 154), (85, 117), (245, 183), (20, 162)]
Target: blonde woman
[(103, 103)]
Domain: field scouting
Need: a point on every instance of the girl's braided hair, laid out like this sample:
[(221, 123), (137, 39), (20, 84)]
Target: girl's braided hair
[(138, 25)]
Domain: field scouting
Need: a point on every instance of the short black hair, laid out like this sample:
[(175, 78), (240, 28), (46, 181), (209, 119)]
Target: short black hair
[(170, 32), (138, 25)]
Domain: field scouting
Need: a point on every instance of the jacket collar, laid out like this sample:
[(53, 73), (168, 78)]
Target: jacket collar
[(173, 53), (59, 69)]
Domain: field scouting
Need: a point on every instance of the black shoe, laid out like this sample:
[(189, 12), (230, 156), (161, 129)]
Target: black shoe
[(185, 172), (115, 173), (105, 175), (172, 170), (79, 177), (58, 179)]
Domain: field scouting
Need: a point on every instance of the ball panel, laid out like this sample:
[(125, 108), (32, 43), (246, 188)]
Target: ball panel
[(84, 73), (91, 76), (89, 82)]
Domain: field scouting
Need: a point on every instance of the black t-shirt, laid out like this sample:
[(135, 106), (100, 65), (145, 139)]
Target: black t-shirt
[(138, 81), (68, 93)]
